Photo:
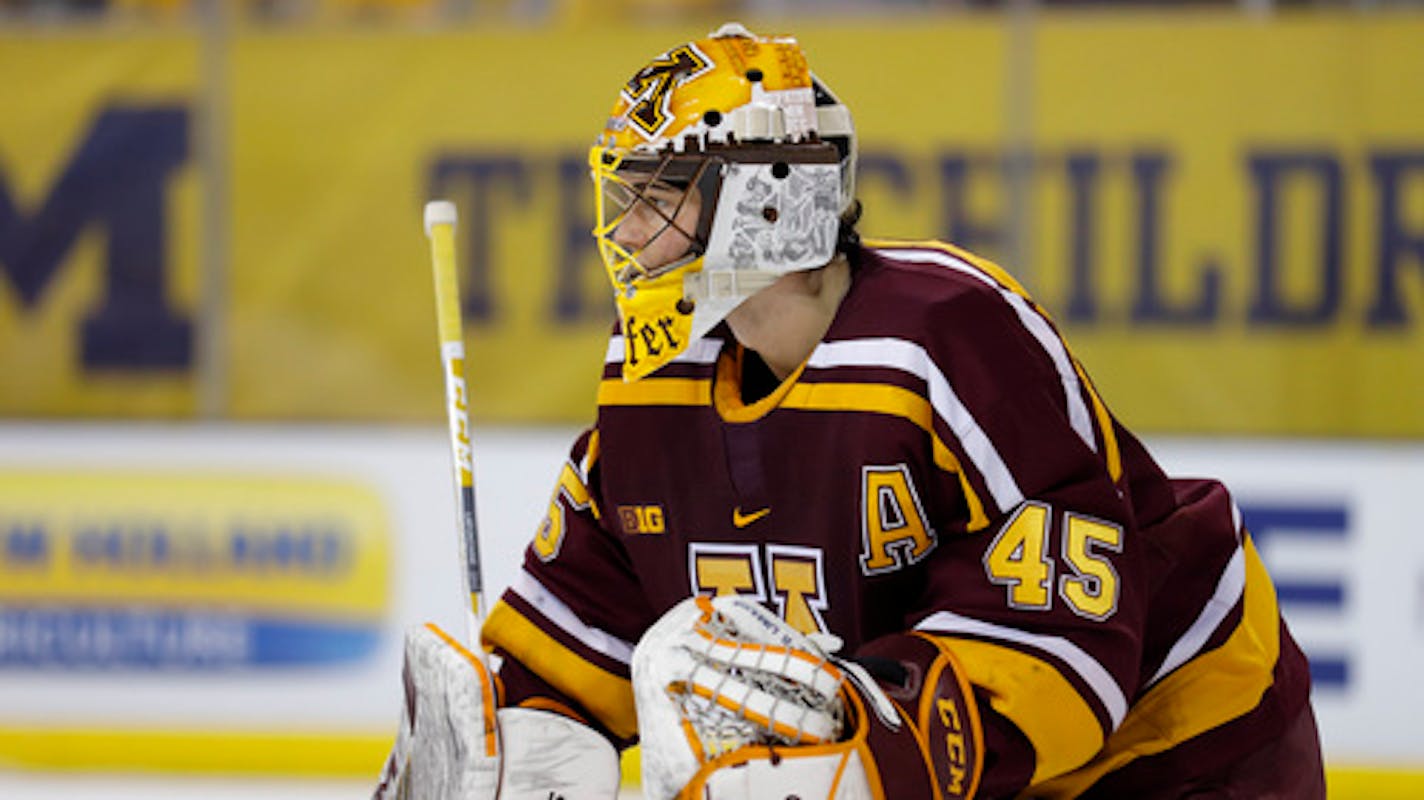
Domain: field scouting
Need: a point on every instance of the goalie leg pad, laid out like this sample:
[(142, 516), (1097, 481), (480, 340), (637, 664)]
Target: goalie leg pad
[(550, 755), (448, 744), (454, 743)]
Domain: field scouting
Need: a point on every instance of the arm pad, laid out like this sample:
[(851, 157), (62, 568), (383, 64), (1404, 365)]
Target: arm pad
[(927, 681)]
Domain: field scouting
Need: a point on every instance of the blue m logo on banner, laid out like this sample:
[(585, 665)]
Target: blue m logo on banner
[(117, 179)]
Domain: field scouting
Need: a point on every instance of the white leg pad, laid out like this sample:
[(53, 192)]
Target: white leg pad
[(550, 755), (831, 776)]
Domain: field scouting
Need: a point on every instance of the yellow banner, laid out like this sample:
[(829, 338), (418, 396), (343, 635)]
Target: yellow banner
[(99, 208), (1226, 215)]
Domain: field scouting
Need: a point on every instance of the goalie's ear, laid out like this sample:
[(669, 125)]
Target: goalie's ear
[(927, 680)]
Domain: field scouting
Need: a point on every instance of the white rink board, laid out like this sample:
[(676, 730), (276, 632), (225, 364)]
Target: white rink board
[(1375, 560), (1361, 582), (409, 468)]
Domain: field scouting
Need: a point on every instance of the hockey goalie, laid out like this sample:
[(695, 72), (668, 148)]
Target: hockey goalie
[(852, 521)]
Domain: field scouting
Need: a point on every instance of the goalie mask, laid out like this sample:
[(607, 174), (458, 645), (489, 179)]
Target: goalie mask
[(724, 165)]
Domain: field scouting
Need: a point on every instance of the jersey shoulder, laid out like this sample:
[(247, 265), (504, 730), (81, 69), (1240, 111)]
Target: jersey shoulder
[(938, 271), (935, 294)]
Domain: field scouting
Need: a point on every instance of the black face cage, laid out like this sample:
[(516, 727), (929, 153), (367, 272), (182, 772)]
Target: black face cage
[(632, 181)]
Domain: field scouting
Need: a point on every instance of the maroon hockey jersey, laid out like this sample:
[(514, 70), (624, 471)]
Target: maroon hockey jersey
[(941, 463)]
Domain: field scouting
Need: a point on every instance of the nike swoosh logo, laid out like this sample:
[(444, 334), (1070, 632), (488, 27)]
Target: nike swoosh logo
[(743, 520)]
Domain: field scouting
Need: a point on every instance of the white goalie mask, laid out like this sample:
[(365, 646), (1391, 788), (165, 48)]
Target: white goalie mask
[(724, 165)]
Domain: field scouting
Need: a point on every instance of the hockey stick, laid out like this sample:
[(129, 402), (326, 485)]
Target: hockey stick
[(440, 220)]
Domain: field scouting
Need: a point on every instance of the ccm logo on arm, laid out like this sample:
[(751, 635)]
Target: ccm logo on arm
[(957, 747)]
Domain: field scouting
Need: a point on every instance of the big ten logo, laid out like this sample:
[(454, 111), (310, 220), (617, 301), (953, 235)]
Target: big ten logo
[(1302, 544), (117, 179), (642, 519), (494, 189), (1301, 205)]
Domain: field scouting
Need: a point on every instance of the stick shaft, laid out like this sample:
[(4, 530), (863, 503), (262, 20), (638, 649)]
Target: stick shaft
[(440, 229)]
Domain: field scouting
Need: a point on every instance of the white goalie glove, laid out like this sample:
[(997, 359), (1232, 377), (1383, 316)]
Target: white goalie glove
[(454, 742), (734, 703)]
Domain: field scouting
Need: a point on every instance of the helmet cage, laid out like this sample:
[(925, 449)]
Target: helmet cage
[(626, 183), (626, 180)]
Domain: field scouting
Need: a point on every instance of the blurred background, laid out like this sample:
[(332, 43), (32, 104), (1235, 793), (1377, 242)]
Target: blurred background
[(224, 478)]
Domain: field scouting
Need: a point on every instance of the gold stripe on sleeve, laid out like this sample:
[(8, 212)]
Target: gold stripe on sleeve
[(590, 458), (1034, 695), (946, 460), (1210, 690), (590, 453), (607, 696), (1105, 424)]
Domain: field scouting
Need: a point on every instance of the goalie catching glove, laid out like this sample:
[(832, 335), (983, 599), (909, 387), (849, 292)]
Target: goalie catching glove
[(734, 703), (455, 743)]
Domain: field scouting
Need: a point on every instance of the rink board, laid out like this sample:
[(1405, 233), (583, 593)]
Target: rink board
[(1330, 518)]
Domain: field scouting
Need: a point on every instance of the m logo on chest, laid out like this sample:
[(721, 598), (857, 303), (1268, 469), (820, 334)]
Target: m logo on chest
[(894, 531), (792, 578)]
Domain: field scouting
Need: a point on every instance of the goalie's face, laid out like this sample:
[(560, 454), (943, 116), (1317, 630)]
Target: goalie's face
[(650, 225), (655, 224)]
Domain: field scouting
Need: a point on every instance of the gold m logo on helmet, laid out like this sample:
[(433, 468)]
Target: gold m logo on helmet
[(650, 91)]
